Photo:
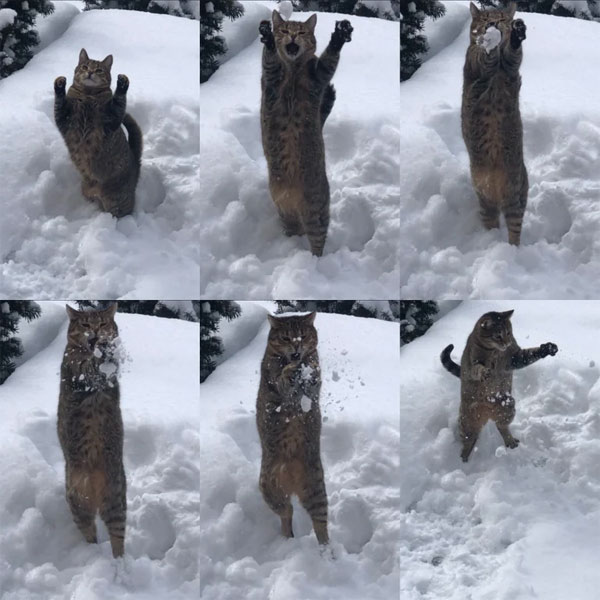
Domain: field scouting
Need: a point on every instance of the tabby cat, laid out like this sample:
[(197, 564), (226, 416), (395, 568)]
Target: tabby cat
[(90, 428), (297, 97), (89, 118), (289, 423), (491, 120), (485, 373)]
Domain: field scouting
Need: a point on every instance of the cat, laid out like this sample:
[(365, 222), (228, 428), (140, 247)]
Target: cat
[(485, 373), (89, 118), (491, 120), (288, 419), (297, 98), (90, 427)]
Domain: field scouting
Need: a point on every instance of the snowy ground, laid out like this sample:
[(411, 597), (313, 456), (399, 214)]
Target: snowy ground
[(446, 253), (509, 524), (53, 242), (42, 554), (244, 251), (242, 552)]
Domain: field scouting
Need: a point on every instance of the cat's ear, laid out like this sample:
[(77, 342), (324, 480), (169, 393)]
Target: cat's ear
[(277, 20), (107, 62), (512, 9), (311, 22), (83, 56), (111, 310), (475, 12), (72, 312), (274, 321), (507, 314), (310, 318)]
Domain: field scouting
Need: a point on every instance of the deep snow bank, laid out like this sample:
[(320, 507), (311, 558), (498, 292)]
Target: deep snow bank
[(42, 554), (244, 251), (517, 523), (53, 242), (446, 253), (242, 551)]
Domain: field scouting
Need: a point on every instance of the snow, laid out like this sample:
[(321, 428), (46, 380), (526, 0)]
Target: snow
[(445, 250), (490, 39), (7, 17), (42, 554), (244, 252), (53, 242), (243, 553), (520, 523)]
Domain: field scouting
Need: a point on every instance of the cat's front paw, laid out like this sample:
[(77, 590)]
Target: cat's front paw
[(343, 30), (548, 349), (266, 35), (122, 84), (518, 33), (60, 84)]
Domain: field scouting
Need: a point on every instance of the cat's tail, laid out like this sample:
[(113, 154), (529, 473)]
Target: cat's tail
[(134, 134), (327, 103), (448, 363)]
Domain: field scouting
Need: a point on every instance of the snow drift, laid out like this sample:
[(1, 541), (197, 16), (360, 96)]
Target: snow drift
[(446, 252), (42, 553), (520, 523), (242, 551), (53, 242), (244, 252)]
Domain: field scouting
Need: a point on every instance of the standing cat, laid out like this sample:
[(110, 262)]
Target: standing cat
[(485, 372), (288, 418), (296, 99), (90, 428), (491, 120), (89, 118)]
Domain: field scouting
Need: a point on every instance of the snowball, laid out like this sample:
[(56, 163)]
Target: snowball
[(286, 9), (306, 403), (97, 352), (490, 39)]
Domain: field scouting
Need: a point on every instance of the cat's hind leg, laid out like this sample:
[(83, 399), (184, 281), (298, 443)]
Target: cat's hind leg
[(277, 500), (314, 499), (505, 413), (90, 190), (316, 222), (468, 429), (81, 504)]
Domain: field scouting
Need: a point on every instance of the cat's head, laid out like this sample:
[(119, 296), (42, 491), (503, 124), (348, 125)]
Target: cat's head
[(92, 75), (484, 19), (293, 337), (294, 40), (495, 330), (92, 329)]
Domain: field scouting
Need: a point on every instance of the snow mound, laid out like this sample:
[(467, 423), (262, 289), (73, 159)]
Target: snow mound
[(53, 242), (42, 554), (445, 250), (244, 252), (243, 553), (519, 523)]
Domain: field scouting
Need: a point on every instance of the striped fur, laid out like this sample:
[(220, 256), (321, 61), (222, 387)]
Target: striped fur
[(297, 98), (491, 120), (488, 360), (290, 427), (90, 428)]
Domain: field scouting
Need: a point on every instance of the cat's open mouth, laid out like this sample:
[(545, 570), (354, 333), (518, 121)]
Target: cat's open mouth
[(292, 49)]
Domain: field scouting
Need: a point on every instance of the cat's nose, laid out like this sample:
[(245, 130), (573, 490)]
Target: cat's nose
[(296, 355)]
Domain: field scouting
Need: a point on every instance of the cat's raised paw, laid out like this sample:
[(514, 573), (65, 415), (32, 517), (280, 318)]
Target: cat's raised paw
[(519, 30), (60, 83), (344, 30), (549, 349), (122, 83), (266, 35)]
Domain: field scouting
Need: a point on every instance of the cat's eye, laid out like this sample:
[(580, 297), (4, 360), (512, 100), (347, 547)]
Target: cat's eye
[(98, 71), (302, 32), (286, 338), (84, 68), (86, 325), (284, 31)]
